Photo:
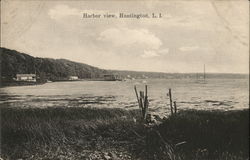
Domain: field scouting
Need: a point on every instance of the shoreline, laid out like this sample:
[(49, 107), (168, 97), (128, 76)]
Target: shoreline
[(92, 133), (25, 83), (21, 83)]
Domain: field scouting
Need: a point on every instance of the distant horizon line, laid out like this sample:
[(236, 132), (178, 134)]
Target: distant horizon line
[(130, 70), (176, 72)]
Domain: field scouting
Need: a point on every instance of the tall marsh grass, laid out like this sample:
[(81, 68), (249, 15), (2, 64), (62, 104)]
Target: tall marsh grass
[(74, 133), (209, 134), (35, 130)]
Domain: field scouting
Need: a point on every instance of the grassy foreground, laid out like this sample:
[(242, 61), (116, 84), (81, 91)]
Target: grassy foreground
[(89, 133)]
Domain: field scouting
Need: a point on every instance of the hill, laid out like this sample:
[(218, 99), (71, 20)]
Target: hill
[(14, 62)]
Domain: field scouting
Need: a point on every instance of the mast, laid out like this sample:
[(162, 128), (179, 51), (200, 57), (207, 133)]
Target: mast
[(204, 74)]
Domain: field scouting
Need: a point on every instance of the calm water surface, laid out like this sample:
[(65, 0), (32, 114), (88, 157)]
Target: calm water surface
[(224, 94)]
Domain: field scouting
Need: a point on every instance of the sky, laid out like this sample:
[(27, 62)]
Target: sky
[(189, 34)]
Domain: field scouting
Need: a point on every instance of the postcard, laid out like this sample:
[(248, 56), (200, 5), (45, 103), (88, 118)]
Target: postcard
[(121, 80)]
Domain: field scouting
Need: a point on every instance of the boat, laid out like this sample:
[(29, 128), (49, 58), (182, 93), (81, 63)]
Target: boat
[(201, 79)]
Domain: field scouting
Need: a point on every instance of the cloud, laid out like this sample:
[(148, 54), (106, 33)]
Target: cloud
[(124, 37), (61, 11), (154, 53), (149, 54), (140, 42), (188, 48)]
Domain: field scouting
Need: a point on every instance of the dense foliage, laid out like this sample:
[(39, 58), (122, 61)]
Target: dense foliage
[(14, 62)]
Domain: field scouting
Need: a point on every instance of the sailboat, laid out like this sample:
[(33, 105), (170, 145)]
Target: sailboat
[(204, 73), (201, 79)]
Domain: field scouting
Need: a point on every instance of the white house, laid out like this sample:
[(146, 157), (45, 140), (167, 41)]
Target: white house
[(26, 77), (73, 77)]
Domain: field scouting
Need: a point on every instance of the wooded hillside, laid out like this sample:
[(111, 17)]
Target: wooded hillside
[(14, 62)]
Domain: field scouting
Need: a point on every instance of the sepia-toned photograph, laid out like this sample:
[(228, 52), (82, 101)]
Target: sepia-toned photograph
[(124, 80)]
